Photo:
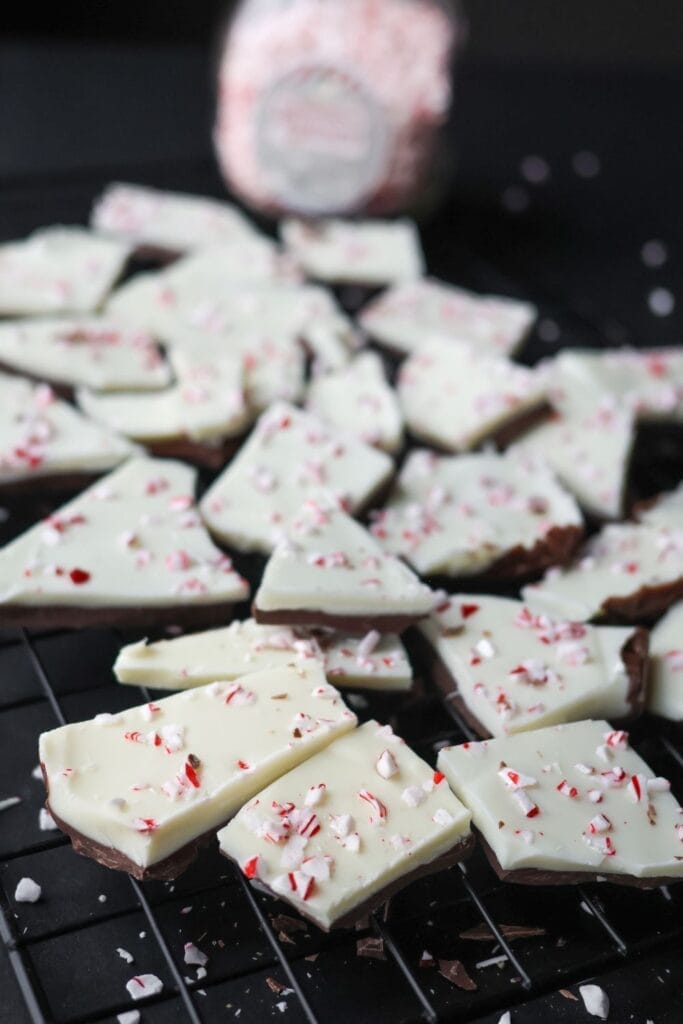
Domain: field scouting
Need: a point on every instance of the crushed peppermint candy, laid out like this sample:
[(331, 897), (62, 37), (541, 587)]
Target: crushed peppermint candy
[(144, 985), (596, 1000), (27, 891), (194, 956)]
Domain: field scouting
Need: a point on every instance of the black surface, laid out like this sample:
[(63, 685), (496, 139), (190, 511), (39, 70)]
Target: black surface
[(576, 252)]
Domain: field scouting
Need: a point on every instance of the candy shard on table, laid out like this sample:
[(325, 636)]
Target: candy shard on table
[(481, 513), (455, 397), (665, 689), (358, 399), (45, 440), (402, 316), (569, 803), (630, 572), (372, 252), (509, 670), (288, 455), (337, 836), (130, 548), (59, 270), (377, 662), (139, 790), (329, 571)]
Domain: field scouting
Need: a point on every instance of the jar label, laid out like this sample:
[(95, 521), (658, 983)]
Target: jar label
[(322, 140)]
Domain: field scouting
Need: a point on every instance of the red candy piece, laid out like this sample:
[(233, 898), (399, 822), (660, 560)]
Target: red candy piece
[(251, 867), (468, 609), (79, 576)]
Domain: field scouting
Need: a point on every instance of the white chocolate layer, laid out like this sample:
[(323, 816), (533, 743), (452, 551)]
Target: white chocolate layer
[(588, 815), (407, 313), (375, 662), (358, 399), (455, 397), (457, 516), (206, 404), (665, 691), (171, 221), (372, 252), (41, 436), (58, 270), (666, 512), (123, 781), (91, 351), (618, 562), (336, 831), (288, 455), (517, 671), (328, 563), (133, 539)]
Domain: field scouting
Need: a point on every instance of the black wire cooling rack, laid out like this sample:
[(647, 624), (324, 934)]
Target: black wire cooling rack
[(65, 958)]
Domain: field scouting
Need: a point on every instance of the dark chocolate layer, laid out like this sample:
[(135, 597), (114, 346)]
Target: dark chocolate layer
[(74, 617), (356, 625), (644, 605)]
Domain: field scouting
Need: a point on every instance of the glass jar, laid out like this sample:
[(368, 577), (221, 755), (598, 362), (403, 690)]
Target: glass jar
[(334, 106)]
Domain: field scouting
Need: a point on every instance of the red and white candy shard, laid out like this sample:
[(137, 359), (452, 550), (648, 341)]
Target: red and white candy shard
[(457, 516), (143, 985), (330, 565), (58, 270), (373, 661), (635, 832), (75, 557), (148, 793), (364, 832), (538, 670), (618, 562), (405, 314), (301, 454), (665, 685), (40, 435)]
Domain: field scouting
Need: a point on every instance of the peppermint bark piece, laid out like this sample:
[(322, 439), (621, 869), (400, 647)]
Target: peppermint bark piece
[(288, 455), (358, 399), (195, 418), (665, 690), (166, 224), (90, 351), (401, 317), (46, 443), (329, 571), (510, 671), (338, 835), (627, 573), (139, 791), (58, 270), (569, 804), (372, 662), (505, 516), (455, 397), (370, 252), (131, 548), (663, 512)]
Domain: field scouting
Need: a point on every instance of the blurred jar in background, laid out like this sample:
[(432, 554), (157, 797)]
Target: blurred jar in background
[(335, 106)]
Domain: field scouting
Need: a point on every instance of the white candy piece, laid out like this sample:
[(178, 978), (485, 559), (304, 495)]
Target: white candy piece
[(243, 647), (372, 252), (206, 404), (459, 515), (540, 671), (618, 562), (132, 539), (595, 1000), (40, 436), (665, 690), (143, 985), (173, 222), (358, 399), (164, 773), (666, 512), (455, 397), (288, 455), (349, 849), (95, 352), (129, 1017), (58, 270), (46, 823), (644, 839), (27, 891), (328, 564), (405, 314)]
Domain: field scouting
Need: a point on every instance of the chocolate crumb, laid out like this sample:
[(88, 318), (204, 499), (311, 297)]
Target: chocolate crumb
[(482, 933), (312, 957), (569, 995), (279, 696), (371, 947), (275, 986), (194, 761), (284, 923), (296, 733), (284, 938), (501, 824), (427, 960), (454, 971)]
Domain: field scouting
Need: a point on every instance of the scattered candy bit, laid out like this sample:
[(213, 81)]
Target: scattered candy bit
[(371, 947), (194, 956), (143, 985), (10, 801), (454, 971), (27, 891), (595, 1000)]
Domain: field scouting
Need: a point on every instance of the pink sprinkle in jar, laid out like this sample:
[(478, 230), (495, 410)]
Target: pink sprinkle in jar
[(334, 106)]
